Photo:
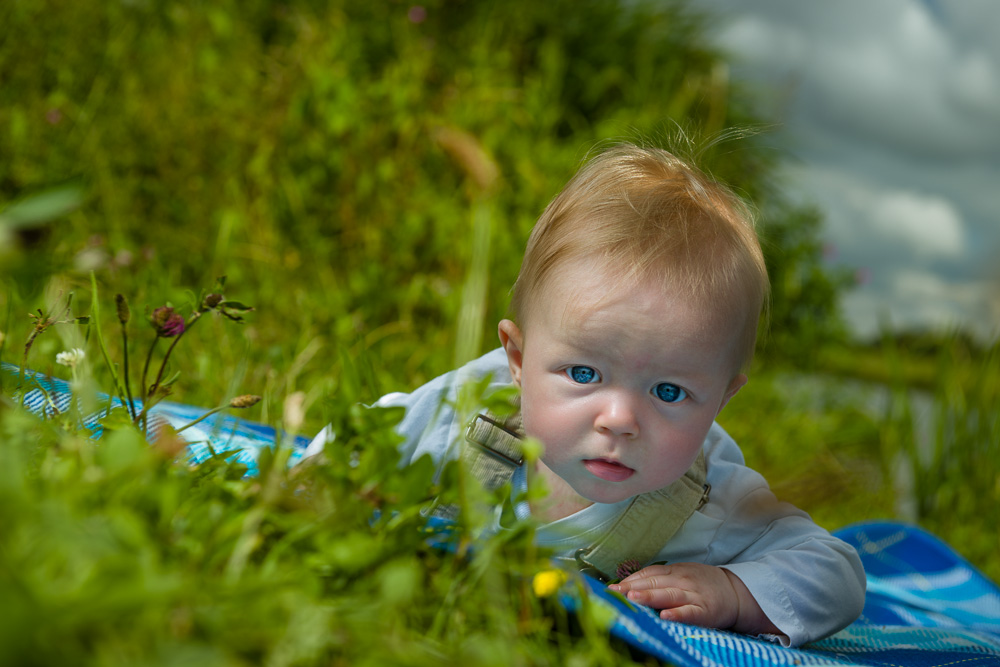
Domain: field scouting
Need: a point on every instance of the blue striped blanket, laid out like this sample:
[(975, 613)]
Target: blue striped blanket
[(926, 606), (217, 433)]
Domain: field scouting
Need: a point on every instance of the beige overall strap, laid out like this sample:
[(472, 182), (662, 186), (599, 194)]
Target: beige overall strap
[(494, 450), (493, 453), (646, 525)]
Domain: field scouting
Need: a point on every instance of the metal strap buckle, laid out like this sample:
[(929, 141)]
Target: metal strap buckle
[(707, 489), (587, 567)]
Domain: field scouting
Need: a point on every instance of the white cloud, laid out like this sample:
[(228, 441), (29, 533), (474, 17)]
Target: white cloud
[(862, 213), (922, 297), (929, 225), (921, 300)]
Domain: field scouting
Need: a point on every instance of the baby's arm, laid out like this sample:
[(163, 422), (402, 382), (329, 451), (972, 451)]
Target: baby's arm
[(697, 594)]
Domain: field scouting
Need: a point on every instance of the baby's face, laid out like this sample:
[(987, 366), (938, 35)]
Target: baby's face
[(621, 386)]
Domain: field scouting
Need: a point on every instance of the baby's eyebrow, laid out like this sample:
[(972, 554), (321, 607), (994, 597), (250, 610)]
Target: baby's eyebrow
[(590, 330), (580, 342)]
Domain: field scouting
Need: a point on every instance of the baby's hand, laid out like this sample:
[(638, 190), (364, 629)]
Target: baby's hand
[(696, 594)]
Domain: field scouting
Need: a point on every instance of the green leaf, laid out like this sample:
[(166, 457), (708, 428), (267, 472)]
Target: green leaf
[(172, 379), (235, 305), (42, 207)]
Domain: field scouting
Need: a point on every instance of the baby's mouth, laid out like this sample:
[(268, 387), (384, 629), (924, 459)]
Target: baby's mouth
[(608, 470)]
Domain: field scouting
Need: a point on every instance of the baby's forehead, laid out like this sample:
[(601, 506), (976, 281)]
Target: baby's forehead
[(591, 297), (590, 300), (642, 327)]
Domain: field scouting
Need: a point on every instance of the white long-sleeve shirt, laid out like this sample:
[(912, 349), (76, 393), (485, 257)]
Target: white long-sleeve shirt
[(809, 583)]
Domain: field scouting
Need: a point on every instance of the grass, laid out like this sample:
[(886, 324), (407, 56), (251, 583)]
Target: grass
[(126, 556)]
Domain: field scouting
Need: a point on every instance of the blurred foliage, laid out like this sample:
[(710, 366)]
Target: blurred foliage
[(802, 318), (941, 443), (916, 358), (328, 157), (365, 174), (114, 554)]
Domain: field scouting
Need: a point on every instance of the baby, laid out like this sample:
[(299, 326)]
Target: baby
[(634, 320)]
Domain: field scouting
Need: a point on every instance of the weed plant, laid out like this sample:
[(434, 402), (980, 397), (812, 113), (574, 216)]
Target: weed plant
[(117, 551)]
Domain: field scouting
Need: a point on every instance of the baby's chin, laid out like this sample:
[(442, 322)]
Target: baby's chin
[(607, 496), (609, 493)]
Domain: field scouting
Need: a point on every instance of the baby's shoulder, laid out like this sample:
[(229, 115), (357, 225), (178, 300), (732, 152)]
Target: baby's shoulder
[(720, 447), (444, 388), (727, 471)]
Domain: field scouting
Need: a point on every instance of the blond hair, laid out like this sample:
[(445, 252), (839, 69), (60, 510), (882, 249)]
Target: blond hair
[(650, 215)]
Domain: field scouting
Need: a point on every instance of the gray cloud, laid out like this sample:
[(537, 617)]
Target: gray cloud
[(893, 112), (884, 72)]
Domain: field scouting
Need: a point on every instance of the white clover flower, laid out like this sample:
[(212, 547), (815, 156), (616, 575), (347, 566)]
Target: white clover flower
[(71, 357)]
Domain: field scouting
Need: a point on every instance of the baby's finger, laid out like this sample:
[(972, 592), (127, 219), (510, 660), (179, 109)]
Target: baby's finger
[(689, 613), (659, 598), (650, 581), (646, 573)]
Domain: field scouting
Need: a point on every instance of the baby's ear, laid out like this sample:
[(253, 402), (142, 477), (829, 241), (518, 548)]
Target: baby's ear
[(734, 386), (513, 343)]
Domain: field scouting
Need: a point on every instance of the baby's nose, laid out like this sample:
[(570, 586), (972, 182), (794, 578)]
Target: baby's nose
[(618, 417)]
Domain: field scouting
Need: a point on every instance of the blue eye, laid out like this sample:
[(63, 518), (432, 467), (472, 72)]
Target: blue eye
[(669, 392), (582, 374)]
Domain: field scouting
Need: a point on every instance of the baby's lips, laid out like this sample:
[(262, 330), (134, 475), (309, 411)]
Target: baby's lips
[(608, 470)]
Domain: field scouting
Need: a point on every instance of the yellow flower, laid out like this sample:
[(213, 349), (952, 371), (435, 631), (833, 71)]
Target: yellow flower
[(548, 582)]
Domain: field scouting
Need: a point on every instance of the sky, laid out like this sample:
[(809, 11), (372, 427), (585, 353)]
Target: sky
[(889, 111)]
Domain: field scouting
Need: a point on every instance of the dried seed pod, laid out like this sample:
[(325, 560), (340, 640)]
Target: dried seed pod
[(244, 401)]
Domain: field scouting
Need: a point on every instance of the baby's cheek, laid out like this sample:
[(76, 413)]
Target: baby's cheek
[(538, 420)]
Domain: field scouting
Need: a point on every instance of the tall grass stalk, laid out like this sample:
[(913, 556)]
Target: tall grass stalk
[(474, 293), (95, 319)]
